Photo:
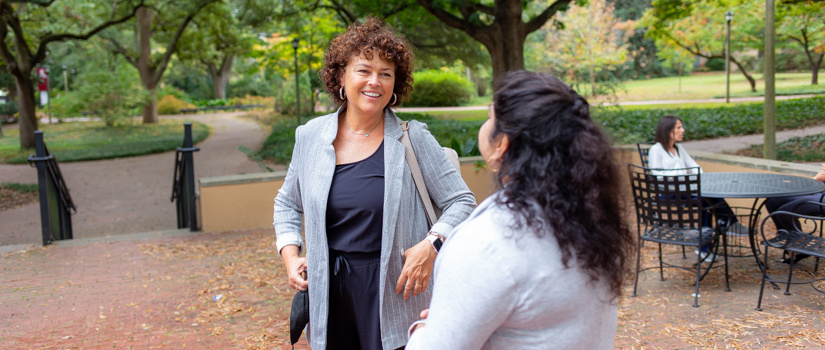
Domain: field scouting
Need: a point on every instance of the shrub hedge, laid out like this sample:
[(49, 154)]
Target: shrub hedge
[(810, 148), (460, 135), (434, 88), (631, 126), (8, 108), (626, 126), (171, 104)]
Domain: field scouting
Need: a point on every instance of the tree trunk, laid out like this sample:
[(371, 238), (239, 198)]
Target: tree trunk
[(12, 96), (150, 109), (815, 64), (506, 48), (592, 81), (144, 64), (221, 75), (28, 117), (751, 80)]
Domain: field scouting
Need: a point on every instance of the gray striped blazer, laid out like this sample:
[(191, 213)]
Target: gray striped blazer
[(303, 200)]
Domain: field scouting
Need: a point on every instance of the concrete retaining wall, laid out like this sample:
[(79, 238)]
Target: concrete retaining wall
[(238, 202)]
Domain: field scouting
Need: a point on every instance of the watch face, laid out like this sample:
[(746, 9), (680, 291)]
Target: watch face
[(437, 244)]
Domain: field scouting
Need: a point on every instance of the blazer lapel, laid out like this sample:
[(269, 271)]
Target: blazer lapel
[(394, 164), (324, 167)]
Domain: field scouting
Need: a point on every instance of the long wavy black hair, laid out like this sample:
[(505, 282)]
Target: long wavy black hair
[(560, 171)]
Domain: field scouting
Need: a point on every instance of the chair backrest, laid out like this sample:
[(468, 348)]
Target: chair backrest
[(644, 149), (667, 200)]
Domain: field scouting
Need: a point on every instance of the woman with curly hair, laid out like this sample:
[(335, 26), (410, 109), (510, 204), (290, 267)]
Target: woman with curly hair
[(370, 250), (540, 263)]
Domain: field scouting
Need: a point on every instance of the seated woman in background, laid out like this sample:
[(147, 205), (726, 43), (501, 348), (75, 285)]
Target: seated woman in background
[(666, 156), (796, 204), (540, 263)]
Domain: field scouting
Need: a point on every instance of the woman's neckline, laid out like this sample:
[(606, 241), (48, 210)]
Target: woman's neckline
[(374, 153)]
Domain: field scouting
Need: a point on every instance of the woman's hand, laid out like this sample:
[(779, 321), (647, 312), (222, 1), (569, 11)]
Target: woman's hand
[(295, 266), (820, 176), (420, 323), (418, 266)]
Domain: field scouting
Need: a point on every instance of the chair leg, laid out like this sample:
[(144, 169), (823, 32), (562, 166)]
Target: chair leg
[(764, 277), (725, 251), (638, 265), (790, 274), (698, 278), (683, 253), (661, 265)]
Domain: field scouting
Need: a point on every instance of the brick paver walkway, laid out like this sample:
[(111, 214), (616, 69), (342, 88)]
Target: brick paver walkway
[(153, 293)]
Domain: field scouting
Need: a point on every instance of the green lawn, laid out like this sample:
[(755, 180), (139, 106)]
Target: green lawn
[(712, 85), (459, 115), (702, 85), (22, 188), (79, 141)]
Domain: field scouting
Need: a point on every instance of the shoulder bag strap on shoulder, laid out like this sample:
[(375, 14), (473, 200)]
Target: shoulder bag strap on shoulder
[(412, 161)]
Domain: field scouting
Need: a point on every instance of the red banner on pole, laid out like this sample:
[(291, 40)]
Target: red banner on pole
[(42, 79)]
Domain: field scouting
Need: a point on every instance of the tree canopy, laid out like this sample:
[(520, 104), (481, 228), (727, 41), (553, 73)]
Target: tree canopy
[(28, 27)]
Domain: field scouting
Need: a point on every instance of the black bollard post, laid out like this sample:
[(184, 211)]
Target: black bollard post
[(43, 185), (190, 176), (183, 189)]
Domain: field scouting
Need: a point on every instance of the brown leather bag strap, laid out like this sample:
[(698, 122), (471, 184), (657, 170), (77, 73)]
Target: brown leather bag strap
[(418, 177)]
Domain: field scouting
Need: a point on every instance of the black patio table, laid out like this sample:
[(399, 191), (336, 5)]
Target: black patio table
[(757, 186)]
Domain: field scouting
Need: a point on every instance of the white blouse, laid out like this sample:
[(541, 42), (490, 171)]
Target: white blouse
[(659, 158)]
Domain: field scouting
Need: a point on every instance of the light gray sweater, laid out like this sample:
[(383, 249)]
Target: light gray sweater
[(496, 288)]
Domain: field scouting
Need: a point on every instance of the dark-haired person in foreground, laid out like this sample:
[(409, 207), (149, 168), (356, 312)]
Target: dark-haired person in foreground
[(540, 263)]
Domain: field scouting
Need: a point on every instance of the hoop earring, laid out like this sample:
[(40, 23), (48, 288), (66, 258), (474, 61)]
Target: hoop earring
[(341, 93), (490, 167), (394, 100)]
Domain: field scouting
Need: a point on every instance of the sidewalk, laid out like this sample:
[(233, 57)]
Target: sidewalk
[(130, 195), (733, 143)]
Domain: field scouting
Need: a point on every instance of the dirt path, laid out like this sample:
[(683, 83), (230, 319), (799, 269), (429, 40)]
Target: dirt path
[(130, 195)]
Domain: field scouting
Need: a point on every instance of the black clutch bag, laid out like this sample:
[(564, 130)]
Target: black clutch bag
[(298, 315)]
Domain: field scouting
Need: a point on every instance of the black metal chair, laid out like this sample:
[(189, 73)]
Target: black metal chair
[(800, 240), (669, 211), (644, 149)]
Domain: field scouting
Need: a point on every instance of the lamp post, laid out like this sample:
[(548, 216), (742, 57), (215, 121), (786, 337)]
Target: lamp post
[(728, 18), (297, 93), (65, 79), (769, 125), (49, 87)]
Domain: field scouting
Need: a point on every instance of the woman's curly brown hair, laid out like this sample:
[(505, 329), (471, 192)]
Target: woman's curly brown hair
[(367, 39)]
